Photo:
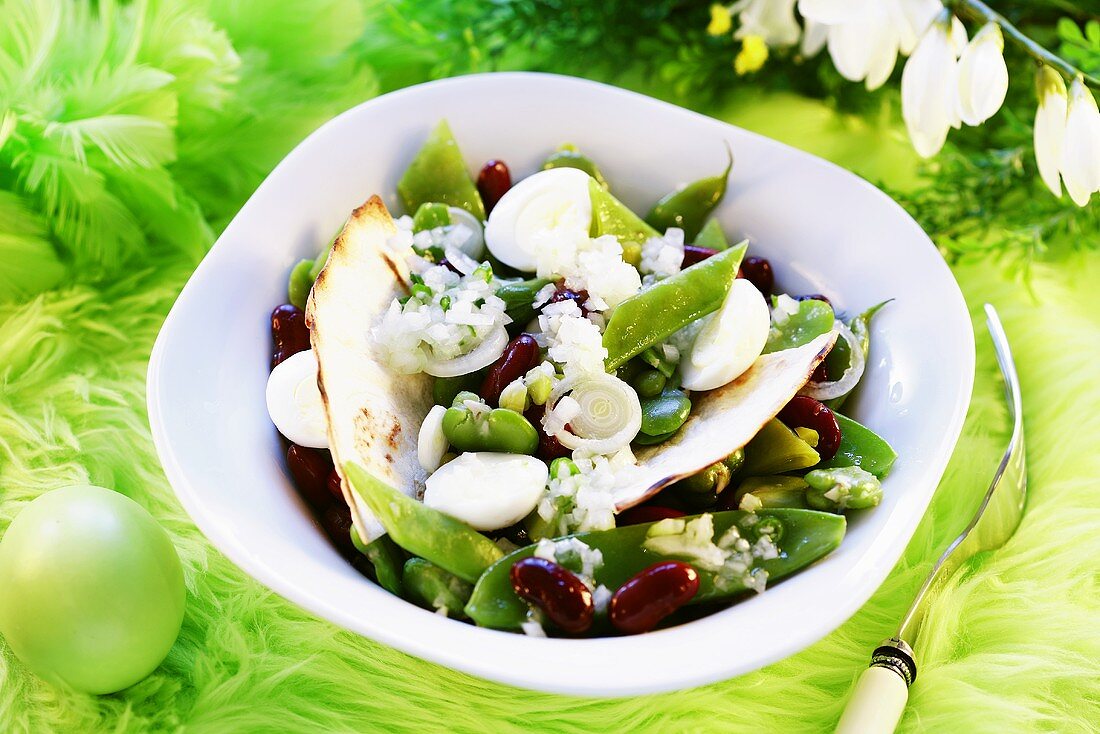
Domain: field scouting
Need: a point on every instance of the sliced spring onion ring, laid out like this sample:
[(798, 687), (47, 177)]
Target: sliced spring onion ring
[(851, 376), (610, 413), (482, 356), (474, 246)]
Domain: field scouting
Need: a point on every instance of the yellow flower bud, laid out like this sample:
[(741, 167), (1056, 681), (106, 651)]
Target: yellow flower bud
[(753, 54), (720, 20)]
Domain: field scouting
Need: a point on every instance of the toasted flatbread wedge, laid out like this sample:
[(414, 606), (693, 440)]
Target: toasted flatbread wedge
[(723, 420), (374, 414)]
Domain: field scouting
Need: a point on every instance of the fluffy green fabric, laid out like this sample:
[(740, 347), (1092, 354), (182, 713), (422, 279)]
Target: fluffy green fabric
[(101, 221)]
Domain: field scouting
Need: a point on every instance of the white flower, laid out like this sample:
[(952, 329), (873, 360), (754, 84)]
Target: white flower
[(929, 88), (813, 38), (772, 20), (916, 16), (1081, 145), (831, 12), (864, 36), (983, 76), (1050, 126)]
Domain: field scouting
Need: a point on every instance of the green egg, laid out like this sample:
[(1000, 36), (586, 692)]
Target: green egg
[(92, 593)]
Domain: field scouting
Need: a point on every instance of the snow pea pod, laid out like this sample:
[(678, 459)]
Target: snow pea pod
[(804, 536), (448, 543), (773, 491), (300, 283), (777, 449), (438, 174), (689, 206), (519, 299), (499, 429), (611, 216), (567, 156), (862, 447), (811, 320), (433, 588), (839, 357), (649, 317), (712, 236), (387, 559)]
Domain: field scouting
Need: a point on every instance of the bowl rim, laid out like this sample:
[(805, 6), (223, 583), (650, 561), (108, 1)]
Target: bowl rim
[(421, 645)]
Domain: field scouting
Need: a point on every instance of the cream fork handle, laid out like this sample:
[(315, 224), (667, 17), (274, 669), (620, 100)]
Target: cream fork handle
[(877, 703)]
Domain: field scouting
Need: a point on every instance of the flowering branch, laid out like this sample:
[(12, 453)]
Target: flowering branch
[(978, 11)]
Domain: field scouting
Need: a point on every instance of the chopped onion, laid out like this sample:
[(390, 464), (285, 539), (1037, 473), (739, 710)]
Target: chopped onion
[(462, 262), (482, 356), (610, 415), (847, 381)]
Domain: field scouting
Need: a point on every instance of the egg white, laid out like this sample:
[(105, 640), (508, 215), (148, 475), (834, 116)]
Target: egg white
[(552, 203), (294, 401), (730, 341), (487, 490)]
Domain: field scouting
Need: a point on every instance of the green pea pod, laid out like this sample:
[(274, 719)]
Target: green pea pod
[(665, 413), (429, 215), (701, 490), (862, 447), (811, 320), (774, 491), (319, 262), (712, 236), (433, 588), (611, 216), (839, 357), (688, 207), (438, 174), (445, 389), (776, 449), (387, 559), (300, 283), (448, 543), (643, 320), (805, 536), (499, 429), (567, 156), (519, 299)]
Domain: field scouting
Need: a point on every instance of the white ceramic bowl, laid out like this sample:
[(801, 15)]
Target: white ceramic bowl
[(824, 229)]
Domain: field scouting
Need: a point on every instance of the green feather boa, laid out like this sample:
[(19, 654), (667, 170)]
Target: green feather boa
[(129, 136)]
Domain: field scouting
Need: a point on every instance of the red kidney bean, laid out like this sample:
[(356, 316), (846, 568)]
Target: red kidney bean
[(646, 513), (651, 595), (821, 373), (555, 590), (566, 294), (550, 448), (336, 522), (493, 182), (334, 485), (695, 254), (758, 271), (310, 469), (289, 332), (805, 412), (521, 354)]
